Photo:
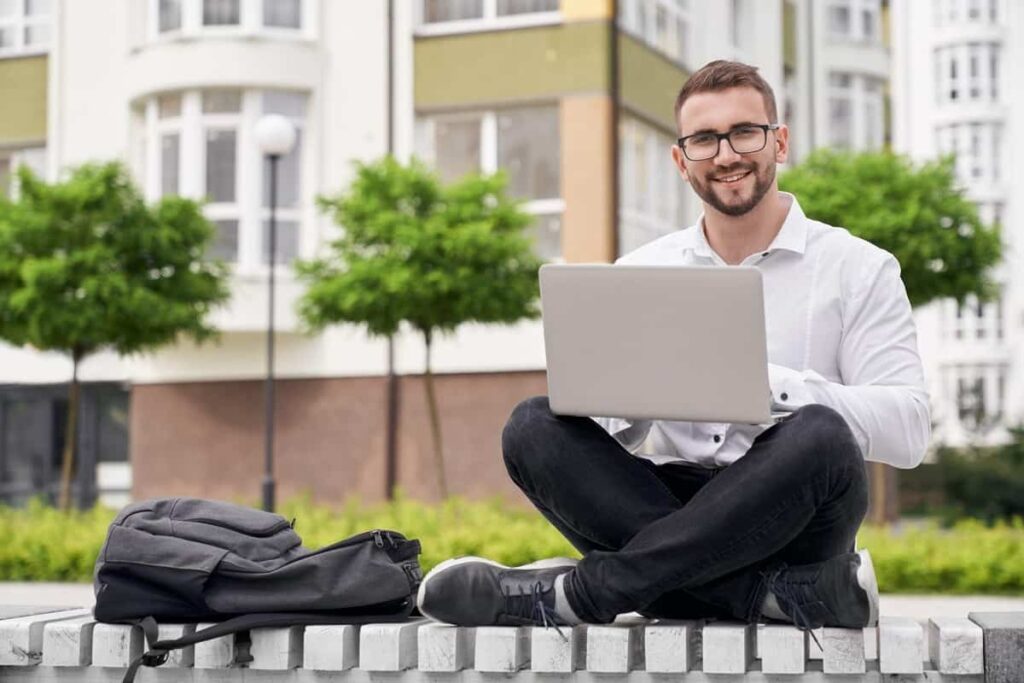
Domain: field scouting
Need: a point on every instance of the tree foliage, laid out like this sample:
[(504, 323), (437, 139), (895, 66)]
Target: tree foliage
[(87, 265), (418, 252), (917, 213)]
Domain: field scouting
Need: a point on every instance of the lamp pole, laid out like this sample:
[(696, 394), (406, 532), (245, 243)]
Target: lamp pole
[(276, 137), (268, 391)]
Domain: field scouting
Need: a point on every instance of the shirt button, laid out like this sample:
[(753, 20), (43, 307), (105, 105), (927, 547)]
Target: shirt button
[(784, 396), (717, 437), (764, 255)]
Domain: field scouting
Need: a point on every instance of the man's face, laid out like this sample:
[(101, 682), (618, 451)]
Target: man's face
[(732, 183)]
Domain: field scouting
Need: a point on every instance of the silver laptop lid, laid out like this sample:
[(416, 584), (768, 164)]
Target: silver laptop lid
[(659, 342)]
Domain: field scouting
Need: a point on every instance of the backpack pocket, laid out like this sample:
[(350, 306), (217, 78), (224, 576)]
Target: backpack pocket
[(137, 577), (254, 535), (371, 569)]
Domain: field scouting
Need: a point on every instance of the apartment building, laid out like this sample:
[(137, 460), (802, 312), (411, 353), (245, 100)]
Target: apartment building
[(955, 91), (574, 106)]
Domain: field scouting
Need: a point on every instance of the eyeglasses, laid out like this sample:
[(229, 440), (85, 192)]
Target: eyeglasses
[(745, 139)]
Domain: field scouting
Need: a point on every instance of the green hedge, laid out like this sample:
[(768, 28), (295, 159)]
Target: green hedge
[(41, 544)]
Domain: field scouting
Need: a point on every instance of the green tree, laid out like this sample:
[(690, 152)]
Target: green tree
[(418, 252), (919, 215), (86, 265)]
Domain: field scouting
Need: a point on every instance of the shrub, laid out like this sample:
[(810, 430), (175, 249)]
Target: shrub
[(42, 544), (986, 482)]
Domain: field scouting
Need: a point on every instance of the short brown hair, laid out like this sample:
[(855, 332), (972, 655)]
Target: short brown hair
[(723, 74)]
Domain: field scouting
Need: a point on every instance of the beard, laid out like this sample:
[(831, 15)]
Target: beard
[(731, 201)]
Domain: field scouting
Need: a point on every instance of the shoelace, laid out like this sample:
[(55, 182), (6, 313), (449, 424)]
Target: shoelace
[(786, 593), (534, 609)]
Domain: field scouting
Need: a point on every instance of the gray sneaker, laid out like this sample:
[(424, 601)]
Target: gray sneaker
[(840, 592), (472, 591)]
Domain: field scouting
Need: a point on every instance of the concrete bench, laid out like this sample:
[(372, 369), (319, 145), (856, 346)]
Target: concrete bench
[(62, 646)]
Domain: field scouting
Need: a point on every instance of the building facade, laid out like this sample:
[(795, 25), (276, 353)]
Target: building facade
[(955, 91), (837, 75), (575, 106)]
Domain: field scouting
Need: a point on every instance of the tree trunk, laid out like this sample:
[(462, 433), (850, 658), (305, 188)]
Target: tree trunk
[(435, 422), (67, 469), (881, 498)]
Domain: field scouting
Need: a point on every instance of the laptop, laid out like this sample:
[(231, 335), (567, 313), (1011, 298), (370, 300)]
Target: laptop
[(656, 342)]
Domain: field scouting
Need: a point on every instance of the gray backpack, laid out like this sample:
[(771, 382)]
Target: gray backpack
[(185, 560)]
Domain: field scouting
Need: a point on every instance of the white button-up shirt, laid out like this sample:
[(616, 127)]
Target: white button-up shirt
[(839, 332)]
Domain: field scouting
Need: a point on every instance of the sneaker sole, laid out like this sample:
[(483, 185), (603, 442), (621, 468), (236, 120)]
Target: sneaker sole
[(454, 562), (868, 581), (551, 563)]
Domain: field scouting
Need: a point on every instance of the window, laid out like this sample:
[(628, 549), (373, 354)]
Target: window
[(665, 25), (856, 109), (222, 12), (980, 395), (522, 141), (5, 176), (457, 145), (452, 10), (740, 26), (839, 24), (458, 15), (993, 73), (528, 151), (282, 13), (854, 20), (977, 147), (34, 158), (950, 12), (874, 114), (169, 18), (24, 27), (509, 7), (975, 320), (975, 153), (652, 193), (178, 18), (967, 73), (840, 110), (198, 147)]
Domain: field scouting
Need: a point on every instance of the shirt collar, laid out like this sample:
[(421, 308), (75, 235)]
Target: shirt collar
[(792, 236)]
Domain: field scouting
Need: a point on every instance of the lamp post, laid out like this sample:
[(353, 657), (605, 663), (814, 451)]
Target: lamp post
[(276, 137)]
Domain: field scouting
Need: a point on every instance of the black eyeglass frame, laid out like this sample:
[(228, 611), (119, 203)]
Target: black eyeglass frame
[(765, 127)]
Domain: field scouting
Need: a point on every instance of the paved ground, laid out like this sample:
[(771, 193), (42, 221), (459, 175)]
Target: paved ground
[(915, 606)]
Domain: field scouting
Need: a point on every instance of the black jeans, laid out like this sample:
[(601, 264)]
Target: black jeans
[(682, 541)]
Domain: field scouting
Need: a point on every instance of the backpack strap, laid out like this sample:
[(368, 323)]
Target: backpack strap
[(159, 650)]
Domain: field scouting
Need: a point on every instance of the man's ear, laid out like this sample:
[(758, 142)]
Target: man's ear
[(782, 144), (680, 162)]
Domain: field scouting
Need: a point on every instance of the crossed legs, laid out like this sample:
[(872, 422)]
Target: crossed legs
[(678, 540)]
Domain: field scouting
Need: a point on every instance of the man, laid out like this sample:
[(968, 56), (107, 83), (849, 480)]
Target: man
[(725, 520)]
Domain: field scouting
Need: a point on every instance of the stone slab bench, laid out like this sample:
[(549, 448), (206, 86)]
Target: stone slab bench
[(67, 645)]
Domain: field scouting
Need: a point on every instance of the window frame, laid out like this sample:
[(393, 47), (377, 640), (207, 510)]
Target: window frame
[(20, 22), (864, 96), (191, 124), (546, 207), (250, 23), (638, 18), (856, 11), (33, 156), (490, 21), (653, 198)]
